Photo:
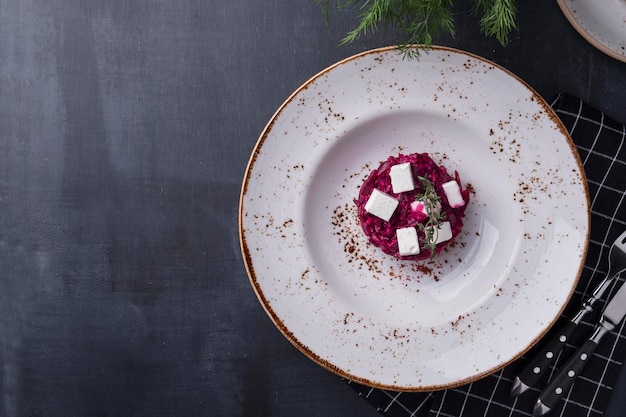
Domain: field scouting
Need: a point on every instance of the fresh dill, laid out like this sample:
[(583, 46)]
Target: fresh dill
[(498, 19), (420, 21), (432, 203)]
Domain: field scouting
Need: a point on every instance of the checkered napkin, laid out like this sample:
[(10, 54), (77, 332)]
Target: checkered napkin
[(601, 143)]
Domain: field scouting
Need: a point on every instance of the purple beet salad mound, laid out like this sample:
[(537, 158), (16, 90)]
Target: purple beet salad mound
[(411, 207)]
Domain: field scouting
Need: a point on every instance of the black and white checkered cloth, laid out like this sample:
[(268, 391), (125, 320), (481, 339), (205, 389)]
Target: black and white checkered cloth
[(601, 143)]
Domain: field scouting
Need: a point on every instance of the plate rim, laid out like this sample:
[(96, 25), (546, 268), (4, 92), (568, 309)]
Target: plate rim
[(309, 353), (595, 42)]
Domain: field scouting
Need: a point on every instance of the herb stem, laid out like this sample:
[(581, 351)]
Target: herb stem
[(432, 202), (421, 20)]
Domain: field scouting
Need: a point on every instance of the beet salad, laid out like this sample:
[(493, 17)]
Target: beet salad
[(411, 207)]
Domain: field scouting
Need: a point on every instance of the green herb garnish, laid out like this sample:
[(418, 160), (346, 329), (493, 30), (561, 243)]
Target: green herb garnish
[(421, 20), (432, 202)]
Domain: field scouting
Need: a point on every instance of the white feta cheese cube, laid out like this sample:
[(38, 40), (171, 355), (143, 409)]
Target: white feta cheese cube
[(381, 205), (407, 241), (453, 194), (418, 206), (442, 232), (401, 178)]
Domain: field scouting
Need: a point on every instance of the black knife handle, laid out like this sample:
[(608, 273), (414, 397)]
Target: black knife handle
[(564, 379), (540, 363)]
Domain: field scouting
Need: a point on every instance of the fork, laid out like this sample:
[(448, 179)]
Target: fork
[(533, 372)]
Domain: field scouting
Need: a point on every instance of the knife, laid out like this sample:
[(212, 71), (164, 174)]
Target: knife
[(541, 362), (562, 382)]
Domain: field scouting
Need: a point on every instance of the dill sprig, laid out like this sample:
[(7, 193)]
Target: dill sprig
[(432, 202), (421, 20), (498, 18)]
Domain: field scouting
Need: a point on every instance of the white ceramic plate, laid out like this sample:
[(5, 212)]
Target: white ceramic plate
[(405, 325), (601, 22)]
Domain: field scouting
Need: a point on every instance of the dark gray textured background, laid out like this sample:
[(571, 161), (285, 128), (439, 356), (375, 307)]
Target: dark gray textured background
[(125, 129)]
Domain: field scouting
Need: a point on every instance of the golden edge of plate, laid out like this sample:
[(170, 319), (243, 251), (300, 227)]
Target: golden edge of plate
[(247, 258), (569, 14)]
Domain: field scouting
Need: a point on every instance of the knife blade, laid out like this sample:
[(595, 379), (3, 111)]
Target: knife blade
[(613, 314), (540, 363)]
